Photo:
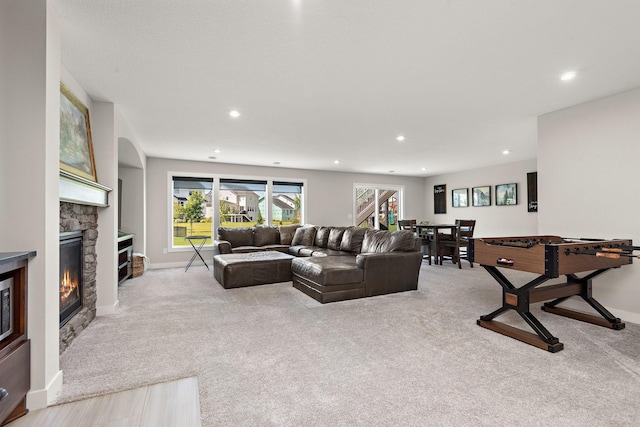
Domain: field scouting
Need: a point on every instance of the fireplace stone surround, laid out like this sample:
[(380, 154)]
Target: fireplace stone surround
[(79, 217)]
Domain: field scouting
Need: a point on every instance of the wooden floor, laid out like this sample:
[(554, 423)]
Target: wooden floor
[(173, 403)]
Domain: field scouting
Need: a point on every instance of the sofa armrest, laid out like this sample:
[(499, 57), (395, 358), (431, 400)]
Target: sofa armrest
[(221, 247), (386, 272)]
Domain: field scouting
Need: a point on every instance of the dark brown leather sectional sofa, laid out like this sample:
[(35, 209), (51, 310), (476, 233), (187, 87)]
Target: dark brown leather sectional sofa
[(335, 263)]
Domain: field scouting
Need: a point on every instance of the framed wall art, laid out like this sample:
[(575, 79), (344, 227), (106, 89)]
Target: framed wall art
[(460, 197), (440, 199), (76, 147), (532, 192), (481, 195), (506, 194)]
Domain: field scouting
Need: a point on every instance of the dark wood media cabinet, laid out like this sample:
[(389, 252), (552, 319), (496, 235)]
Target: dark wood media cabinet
[(125, 256), (15, 348)]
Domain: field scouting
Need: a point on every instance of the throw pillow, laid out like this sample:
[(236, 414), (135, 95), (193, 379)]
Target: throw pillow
[(335, 238), (352, 239), (287, 232), (322, 237), (304, 236)]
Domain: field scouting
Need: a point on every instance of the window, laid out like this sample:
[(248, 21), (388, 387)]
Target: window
[(201, 204), (286, 204), (377, 206), (239, 202), (192, 208)]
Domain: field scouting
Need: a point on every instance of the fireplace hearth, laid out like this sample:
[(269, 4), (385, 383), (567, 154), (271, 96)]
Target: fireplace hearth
[(71, 275)]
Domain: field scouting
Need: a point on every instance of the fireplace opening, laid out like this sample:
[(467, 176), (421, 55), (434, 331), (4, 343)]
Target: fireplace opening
[(71, 275)]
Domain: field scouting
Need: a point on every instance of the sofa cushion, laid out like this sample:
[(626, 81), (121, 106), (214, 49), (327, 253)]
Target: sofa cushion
[(388, 241), (265, 235), (332, 270), (322, 237), (335, 238), (304, 236), (375, 241), (287, 232), (237, 236), (402, 241), (352, 239), (301, 250), (247, 249)]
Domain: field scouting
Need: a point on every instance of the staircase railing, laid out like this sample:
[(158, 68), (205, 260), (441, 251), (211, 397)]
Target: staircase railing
[(366, 206)]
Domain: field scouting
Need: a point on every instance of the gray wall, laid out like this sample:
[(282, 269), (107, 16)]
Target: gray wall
[(329, 198), (588, 158), (491, 220)]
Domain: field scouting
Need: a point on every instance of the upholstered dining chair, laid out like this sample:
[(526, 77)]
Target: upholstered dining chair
[(458, 246)]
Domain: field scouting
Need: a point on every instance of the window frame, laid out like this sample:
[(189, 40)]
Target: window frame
[(215, 200), (377, 187)]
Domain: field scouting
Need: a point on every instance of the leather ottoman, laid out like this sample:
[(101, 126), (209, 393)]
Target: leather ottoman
[(254, 268)]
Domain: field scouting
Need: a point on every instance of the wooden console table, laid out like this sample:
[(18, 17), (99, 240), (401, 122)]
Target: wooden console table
[(15, 348)]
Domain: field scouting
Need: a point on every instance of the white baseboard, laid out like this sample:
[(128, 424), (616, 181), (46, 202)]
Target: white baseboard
[(182, 264), (105, 310), (38, 399)]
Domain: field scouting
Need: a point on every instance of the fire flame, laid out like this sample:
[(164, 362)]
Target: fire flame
[(69, 290)]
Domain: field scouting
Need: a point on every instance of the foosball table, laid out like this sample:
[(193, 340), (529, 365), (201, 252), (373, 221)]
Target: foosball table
[(549, 257)]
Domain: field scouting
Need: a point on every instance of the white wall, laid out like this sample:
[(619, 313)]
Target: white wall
[(588, 162), (329, 197), (133, 211), (491, 220), (29, 173)]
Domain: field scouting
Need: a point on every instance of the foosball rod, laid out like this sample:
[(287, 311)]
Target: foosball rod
[(623, 247), (599, 253)]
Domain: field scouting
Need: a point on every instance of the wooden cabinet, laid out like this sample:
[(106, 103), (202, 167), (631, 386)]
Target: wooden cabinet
[(125, 256), (15, 348)]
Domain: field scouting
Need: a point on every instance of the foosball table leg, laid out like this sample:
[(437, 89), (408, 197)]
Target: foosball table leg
[(517, 299), (607, 320)]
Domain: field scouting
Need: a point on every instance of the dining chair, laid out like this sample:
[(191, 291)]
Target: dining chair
[(457, 247), (407, 224)]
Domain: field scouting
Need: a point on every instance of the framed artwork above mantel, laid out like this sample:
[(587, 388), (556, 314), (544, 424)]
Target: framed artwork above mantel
[(76, 147)]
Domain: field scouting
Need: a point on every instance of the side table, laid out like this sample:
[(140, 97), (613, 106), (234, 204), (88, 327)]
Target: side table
[(203, 240)]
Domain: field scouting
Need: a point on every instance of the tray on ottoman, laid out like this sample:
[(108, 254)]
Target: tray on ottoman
[(254, 268)]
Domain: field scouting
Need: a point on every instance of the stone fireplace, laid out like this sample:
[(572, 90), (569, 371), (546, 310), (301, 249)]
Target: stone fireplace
[(79, 308)]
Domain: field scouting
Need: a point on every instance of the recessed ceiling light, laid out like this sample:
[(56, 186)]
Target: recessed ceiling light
[(336, 161), (234, 113), (217, 150), (424, 169), (505, 152), (400, 138), (569, 75)]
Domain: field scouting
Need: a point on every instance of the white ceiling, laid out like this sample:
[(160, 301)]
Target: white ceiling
[(320, 80)]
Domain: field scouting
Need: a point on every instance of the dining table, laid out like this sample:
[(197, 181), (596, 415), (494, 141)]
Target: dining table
[(434, 232)]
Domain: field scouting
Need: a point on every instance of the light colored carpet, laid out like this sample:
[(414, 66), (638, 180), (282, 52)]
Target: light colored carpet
[(270, 355)]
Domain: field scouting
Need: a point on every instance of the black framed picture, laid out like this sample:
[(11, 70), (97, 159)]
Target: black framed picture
[(481, 195), (460, 197), (506, 194), (532, 192), (440, 199)]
